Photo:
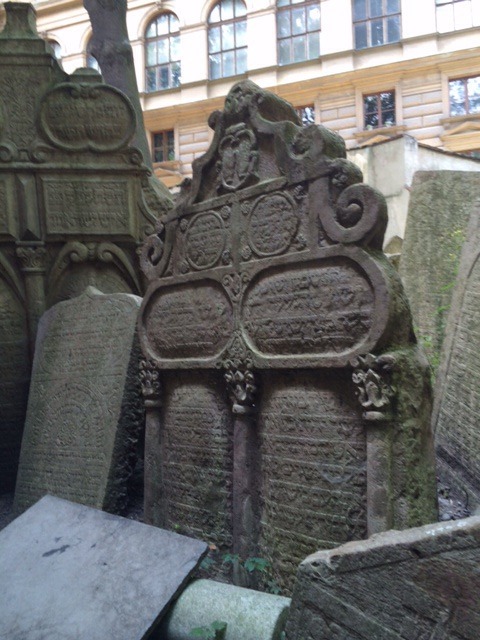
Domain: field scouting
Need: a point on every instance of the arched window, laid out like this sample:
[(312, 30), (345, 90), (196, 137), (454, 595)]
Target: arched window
[(57, 49), (227, 39), (162, 53), (298, 30), (92, 62)]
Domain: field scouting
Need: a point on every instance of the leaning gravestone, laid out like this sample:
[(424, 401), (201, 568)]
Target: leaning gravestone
[(440, 206), (420, 584), (69, 572), (84, 411), (268, 291), (457, 398)]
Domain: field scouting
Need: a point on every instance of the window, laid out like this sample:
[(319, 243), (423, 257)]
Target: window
[(57, 49), (464, 96), (162, 53), (376, 22), (227, 39), (298, 30), (306, 114), (163, 144), (454, 14), (92, 62), (379, 110)]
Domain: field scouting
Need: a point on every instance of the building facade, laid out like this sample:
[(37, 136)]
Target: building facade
[(369, 69)]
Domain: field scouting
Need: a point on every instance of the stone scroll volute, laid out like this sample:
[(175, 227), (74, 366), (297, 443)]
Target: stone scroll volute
[(273, 252)]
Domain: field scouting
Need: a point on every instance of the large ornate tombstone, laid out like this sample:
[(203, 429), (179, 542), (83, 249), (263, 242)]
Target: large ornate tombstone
[(75, 202), (268, 291)]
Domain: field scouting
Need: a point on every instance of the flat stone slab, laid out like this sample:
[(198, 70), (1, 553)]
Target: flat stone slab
[(70, 572), (418, 584)]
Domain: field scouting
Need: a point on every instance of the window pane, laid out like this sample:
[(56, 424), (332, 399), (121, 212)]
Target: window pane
[(226, 9), (215, 14), (297, 1), (284, 52), (377, 32), (162, 51), (175, 48), (174, 24), (473, 87), (176, 74), (299, 48), (164, 77), (371, 120), (313, 19), (241, 60), (240, 9), (162, 24), (283, 24), (228, 62), (445, 18), (313, 45), (457, 97), (283, 3), (360, 36), (214, 41), (228, 41), (375, 8), (393, 29), (215, 67), (388, 118), (151, 30), (298, 21), (151, 80), (151, 53), (370, 104), (393, 6), (359, 9), (241, 33)]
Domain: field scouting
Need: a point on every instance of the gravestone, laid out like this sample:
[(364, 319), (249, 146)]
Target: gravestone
[(270, 308), (440, 206), (457, 395), (76, 199), (69, 572), (419, 584), (84, 409)]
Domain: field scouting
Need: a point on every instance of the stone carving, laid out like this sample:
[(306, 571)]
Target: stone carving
[(374, 392), (84, 410), (75, 199), (150, 382), (269, 271)]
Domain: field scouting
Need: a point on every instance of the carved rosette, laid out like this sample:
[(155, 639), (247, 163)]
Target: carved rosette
[(240, 378), (32, 258), (372, 376), (150, 383)]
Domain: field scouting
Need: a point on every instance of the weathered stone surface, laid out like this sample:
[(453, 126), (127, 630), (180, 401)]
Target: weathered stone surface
[(440, 206), (84, 410), (417, 584), (69, 572), (270, 307), (457, 398), (248, 614), (75, 201)]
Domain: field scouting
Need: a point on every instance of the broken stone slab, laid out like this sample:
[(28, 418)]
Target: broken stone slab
[(248, 614), (70, 572), (417, 584), (84, 409)]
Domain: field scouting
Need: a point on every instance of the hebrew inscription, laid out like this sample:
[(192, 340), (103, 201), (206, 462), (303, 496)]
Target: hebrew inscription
[(319, 309), (273, 224), (89, 206), (205, 240), (83, 415), (188, 321)]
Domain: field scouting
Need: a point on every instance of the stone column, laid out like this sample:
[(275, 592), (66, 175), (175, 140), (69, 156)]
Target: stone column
[(32, 263), (154, 501)]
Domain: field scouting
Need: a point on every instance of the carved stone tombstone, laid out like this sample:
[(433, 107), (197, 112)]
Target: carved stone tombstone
[(84, 408), (268, 291), (76, 199)]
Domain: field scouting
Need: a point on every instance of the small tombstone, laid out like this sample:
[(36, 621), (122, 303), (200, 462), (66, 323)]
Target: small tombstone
[(419, 584), (440, 206), (268, 291), (457, 392), (69, 572), (84, 413)]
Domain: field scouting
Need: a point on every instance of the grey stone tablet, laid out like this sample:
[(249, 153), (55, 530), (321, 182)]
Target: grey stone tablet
[(69, 572)]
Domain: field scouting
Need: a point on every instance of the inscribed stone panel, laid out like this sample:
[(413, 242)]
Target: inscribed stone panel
[(440, 206), (14, 377), (417, 584), (83, 410), (312, 443), (197, 440), (457, 403)]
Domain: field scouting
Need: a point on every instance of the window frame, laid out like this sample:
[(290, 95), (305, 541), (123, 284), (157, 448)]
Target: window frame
[(288, 7), (167, 145), (305, 117), (369, 20), (440, 4), (466, 101), (172, 66), (379, 111), (240, 63)]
